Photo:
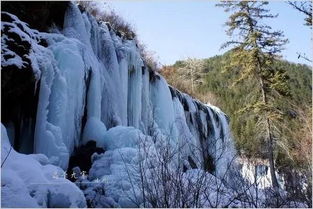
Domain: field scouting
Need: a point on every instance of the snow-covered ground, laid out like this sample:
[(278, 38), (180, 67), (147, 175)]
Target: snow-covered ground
[(30, 181)]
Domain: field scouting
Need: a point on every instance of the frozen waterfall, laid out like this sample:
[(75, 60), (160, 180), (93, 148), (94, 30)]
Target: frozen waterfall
[(94, 85)]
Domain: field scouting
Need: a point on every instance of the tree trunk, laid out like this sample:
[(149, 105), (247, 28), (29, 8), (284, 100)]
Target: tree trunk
[(271, 155), (269, 138)]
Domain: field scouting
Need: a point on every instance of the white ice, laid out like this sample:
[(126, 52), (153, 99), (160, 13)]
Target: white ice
[(31, 181)]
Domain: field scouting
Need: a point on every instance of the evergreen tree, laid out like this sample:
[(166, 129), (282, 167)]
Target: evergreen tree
[(256, 47)]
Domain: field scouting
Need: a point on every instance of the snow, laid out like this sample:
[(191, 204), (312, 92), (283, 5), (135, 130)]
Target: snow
[(15, 60), (27, 36), (123, 145), (119, 171), (120, 136), (94, 130), (27, 181)]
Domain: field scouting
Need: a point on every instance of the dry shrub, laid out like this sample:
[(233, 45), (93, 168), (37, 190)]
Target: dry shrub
[(116, 22), (181, 80), (303, 137), (148, 56)]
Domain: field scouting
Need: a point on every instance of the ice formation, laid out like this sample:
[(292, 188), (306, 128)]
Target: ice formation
[(31, 181), (258, 171), (94, 85)]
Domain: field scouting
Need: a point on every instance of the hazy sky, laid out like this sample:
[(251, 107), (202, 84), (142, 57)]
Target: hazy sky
[(178, 29)]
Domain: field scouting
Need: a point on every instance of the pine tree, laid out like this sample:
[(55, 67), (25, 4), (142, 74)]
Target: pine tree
[(256, 46)]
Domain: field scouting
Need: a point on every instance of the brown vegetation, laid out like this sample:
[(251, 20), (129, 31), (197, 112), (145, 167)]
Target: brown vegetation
[(148, 56), (303, 137), (183, 81), (115, 22)]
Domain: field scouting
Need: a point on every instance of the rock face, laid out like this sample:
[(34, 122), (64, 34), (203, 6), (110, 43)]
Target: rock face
[(82, 82), (39, 15)]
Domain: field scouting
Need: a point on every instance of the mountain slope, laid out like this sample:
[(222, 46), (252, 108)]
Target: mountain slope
[(215, 85)]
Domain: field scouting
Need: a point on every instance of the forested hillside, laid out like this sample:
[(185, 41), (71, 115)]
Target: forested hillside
[(212, 83)]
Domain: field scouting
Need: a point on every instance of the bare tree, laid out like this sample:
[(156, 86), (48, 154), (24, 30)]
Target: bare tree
[(164, 183), (193, 68), (305, 7)]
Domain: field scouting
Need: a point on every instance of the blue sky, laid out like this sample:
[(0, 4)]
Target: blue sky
[(179, 29)]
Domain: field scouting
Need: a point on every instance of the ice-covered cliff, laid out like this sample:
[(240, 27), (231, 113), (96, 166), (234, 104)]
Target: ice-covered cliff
[(83, 82)]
